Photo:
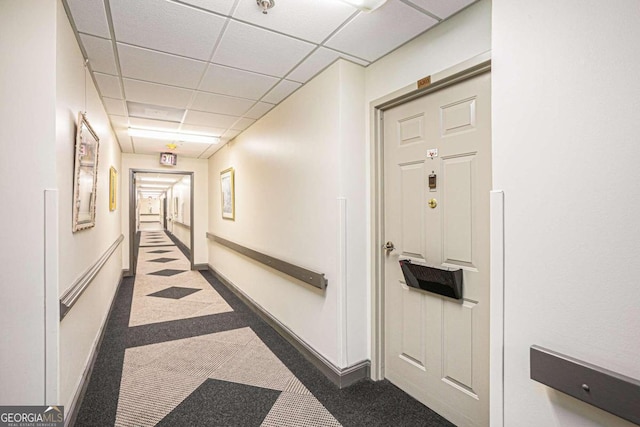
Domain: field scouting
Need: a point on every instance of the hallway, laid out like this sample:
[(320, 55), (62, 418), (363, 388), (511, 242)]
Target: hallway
[(180, 349)]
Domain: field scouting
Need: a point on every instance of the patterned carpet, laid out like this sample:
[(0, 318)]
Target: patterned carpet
[(181, 350)]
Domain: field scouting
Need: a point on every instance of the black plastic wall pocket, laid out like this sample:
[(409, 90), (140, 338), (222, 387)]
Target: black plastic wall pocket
[(430, 279)]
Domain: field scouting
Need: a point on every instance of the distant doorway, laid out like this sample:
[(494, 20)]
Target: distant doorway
[(161, 201)]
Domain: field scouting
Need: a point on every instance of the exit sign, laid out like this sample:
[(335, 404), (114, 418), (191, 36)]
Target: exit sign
[(168, 159)]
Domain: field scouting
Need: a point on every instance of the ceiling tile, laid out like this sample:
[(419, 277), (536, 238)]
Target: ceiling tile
[(90, 17), (203, 130), (259, 110), (119, 122), (201, 118), (153, 124), (114, 106), (221, 104), (314, 20), (168, 27), (220, 6), (281, 91), (318, 61), (230, 81), (242, 124), (100, 54), (125, 141), (109, 85), (153, 93), (442, 8), (159, 67), (372, 35), (262, 51)]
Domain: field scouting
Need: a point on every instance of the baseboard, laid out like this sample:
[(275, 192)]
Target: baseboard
[(72, 411), (201, 267), (340, 377), (127, 273)]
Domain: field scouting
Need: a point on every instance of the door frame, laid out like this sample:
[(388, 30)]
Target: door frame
[(132, 212), (472, 67)]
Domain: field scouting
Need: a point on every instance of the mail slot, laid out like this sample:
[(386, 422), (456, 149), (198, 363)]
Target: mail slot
[(430, 279)]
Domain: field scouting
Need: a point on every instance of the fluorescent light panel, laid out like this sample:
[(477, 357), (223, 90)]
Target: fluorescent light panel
[(157, 180), (173, 136), (365, 5), (165, 186)]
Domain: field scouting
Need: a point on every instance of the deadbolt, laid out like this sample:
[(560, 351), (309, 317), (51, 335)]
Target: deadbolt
[(388, 246), (433, 203)]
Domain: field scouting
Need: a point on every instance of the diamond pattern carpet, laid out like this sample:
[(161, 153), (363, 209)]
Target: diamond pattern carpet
[(182, 350)]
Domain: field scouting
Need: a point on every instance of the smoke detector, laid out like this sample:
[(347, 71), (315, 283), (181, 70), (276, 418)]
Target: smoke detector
[(266, 5)]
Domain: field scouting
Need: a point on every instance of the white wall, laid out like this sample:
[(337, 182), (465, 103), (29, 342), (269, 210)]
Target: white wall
[(201, 187), (291, 167), (565, 151), (27, 168), (80, 329)]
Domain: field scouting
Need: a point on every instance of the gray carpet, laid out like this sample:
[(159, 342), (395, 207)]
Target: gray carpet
[(230, 399)]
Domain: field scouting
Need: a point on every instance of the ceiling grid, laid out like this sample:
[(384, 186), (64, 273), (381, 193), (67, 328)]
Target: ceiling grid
[(214, 67)]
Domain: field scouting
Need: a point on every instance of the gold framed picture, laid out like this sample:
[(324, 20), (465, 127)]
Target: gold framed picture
[(227, 189), (113, 183)]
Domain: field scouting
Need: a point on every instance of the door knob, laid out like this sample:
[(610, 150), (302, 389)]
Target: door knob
[(388, 246), (433, 203)]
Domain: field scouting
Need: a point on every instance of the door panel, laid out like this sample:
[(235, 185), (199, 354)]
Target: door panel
[(437, 348), (457, 209), (413, 333), (458, 343), (412, 210)]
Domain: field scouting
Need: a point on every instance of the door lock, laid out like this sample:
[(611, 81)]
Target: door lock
[(433, 203), (388, 247)]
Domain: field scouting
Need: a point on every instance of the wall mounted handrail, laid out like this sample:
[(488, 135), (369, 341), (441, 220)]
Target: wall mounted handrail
[(595, 385), (71, 295), (305, 275), (175, 221)]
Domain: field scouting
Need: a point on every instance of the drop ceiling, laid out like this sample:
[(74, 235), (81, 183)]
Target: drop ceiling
[(214, 67)]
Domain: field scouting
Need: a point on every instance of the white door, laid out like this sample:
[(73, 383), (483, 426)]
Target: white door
[(437, 348)]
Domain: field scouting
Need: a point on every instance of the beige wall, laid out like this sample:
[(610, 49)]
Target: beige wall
[(80, 329), (42, 114), (291, 169), (313, 150), (182, 190), (27, 165)]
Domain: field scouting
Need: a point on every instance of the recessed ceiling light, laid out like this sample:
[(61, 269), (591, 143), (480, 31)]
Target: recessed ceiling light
[(174, 136), (365, 5)]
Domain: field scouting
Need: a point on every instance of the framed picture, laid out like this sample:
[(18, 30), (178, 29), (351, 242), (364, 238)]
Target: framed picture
[(113, 182), (85, 175), (227, 189)]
